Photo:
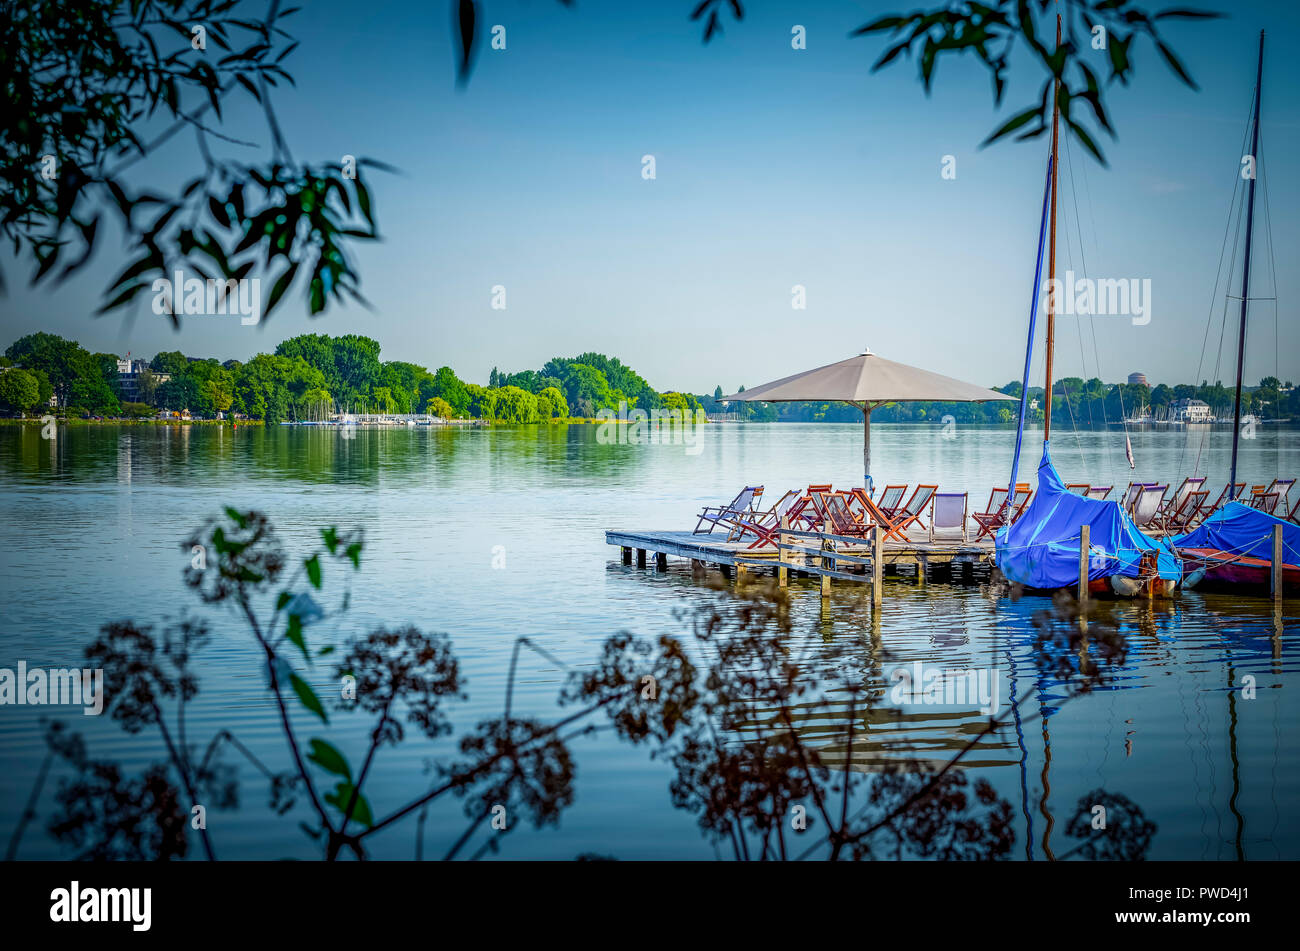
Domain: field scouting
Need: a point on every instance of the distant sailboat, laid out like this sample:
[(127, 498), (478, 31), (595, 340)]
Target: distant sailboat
[(1234, 546), (1041, 548)]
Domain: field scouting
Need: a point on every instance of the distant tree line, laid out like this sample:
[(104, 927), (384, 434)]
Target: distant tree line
[(312, 376), (1075, 401)]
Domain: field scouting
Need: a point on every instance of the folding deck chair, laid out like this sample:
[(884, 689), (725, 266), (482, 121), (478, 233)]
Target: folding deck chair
[(808, 510), (1079, 488), (1171, 505), (1146, 510), (1181, 518), (990, 520), (1283, 488), (839, 518), (1265, 502), (742, 506), (891, 497), (1207, 511), (1098, 491), (902, 518), (948, 510), (765, 526), (1184, 519)]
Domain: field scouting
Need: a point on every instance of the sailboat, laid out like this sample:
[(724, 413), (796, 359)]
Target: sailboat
[(1041, 549), (1234, 546)]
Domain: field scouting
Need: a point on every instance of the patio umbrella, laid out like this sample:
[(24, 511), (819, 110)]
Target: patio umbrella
[(867, 381)]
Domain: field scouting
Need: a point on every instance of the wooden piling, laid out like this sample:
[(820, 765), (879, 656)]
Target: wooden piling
[(877, 566), (640, 557), (783, 573), (627, 555), (1085, 548), (829, 563), (1275, 580), (661, 561)]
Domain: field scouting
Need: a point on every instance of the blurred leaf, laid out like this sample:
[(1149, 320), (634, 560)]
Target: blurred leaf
[(307, 696), (328, 758)]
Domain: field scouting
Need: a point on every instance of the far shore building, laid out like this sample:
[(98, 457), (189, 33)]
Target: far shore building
[(1137, 379), (1191, 411), (128, 376)]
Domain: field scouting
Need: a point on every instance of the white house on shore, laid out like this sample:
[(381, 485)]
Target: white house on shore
[(1191, 411)]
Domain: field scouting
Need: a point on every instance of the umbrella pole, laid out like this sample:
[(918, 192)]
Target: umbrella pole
[(866, 446)]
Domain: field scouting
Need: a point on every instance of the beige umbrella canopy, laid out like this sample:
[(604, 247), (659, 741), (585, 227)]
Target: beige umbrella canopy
[(867, 381)]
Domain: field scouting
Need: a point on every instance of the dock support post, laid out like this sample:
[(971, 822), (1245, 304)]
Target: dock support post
[(640, 557), (782, 573), (1276, 576), (627, 555), (877, 566), (828, 547), (1085, 547), (922, 569), (661, 561)]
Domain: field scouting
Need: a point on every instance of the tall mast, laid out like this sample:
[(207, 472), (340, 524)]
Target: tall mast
[(1245, 271), (1051, 254)]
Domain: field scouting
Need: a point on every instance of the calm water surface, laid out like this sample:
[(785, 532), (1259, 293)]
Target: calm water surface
[(93, 522)]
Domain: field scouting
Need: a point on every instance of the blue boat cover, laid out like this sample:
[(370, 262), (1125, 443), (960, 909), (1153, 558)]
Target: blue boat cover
[(1241, 530), (1041, 550)]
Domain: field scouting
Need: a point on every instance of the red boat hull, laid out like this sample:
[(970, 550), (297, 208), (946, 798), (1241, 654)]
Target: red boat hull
[(1238, 571)]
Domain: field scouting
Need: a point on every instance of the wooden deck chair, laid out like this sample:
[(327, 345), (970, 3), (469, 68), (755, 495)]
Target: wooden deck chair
[(808, 510), (891, 497), (1098, 492), (1222, 500), (1180, 519), (864, 509), (839, 518), (991, 517), (1132, 494), (1174, 503), (1079, 488), (742, 506), (903, 517), (1283, 488), (948, 510), (1021, 501), (1146, 510), (765, 526), (1265, 502)]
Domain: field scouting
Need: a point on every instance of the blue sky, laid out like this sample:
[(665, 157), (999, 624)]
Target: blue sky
[(775, 167)]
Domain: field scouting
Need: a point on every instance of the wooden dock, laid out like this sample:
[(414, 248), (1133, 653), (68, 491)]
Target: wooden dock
[(829, 557)]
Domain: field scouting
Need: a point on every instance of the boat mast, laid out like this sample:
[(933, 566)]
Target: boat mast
[(1051, 255), (1245, 271)]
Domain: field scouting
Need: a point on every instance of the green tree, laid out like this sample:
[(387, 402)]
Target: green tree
[(439, 407), (557, 405), (515, 405), (20, 391), (449, 387)]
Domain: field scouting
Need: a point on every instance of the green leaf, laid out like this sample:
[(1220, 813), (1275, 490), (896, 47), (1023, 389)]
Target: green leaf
[(307, 696), (354, 553), (294, 634), (284, 598), (1011, 125), (331, 538), (328, 758), (237, 517), (327, 649), (340, 798), (313, 571)]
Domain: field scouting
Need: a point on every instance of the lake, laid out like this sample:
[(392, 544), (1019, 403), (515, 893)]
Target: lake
[(492, 533)]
